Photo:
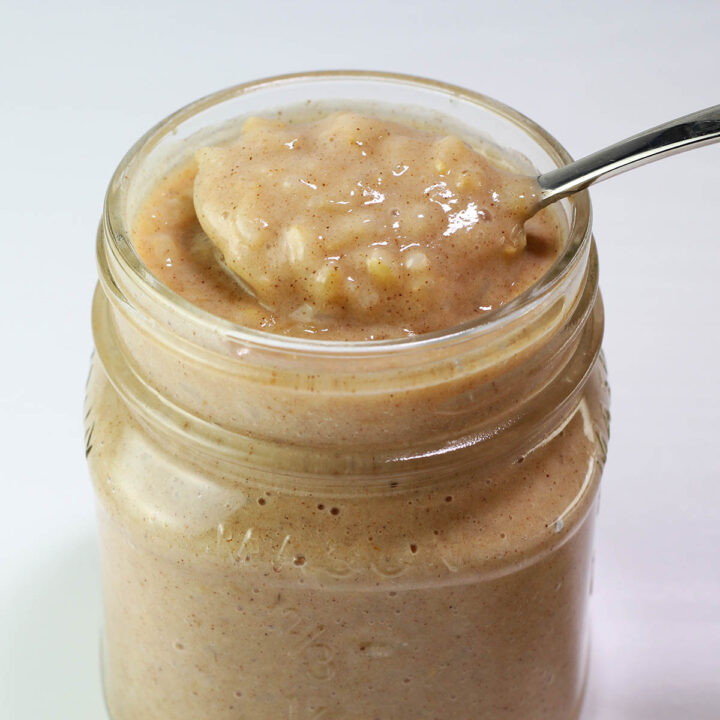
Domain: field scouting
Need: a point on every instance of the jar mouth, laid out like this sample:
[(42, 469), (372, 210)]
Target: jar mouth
[(122, 248)]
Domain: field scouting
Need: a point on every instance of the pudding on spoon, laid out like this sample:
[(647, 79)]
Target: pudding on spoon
[(358, 220)]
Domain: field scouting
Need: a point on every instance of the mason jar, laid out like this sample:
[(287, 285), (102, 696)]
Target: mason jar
[(298, 529)]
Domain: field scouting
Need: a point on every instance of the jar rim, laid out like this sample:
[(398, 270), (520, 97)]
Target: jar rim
[(579, 235)]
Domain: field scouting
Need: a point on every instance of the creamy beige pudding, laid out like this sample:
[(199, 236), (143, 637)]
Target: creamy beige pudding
[(348, 227), (307, 532)]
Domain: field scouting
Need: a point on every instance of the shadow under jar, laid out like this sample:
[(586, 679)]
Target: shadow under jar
[(294, 529)]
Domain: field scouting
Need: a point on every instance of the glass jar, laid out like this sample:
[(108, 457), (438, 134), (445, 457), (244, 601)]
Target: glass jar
[(387, 530)]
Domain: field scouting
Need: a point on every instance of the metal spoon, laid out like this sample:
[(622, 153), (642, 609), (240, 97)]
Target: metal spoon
[(694, 130), (684, 133)]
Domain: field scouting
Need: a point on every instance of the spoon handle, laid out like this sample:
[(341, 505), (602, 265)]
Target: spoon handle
[(689, 131)]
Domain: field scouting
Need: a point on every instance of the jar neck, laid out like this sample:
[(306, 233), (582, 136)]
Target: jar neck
[(374, 413)]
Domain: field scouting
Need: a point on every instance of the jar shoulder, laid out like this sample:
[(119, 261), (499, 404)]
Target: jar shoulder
[(478, 520)]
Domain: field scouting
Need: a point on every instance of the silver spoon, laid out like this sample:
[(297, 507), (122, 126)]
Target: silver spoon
[(687, 132), (684, 133)]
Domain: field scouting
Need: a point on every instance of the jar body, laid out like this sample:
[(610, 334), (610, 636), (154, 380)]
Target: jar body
[(466, 598)]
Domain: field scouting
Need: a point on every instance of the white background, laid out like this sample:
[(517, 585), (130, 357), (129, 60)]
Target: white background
[(79, 83)]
